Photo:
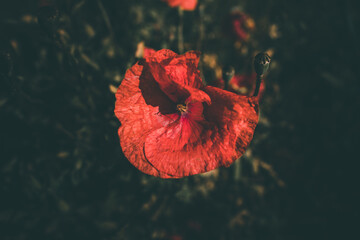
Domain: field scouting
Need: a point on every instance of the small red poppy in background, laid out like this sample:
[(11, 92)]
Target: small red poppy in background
[(175, 237), (44, 3), (241, 25), (188, 5), (172, 125), (245, 85)]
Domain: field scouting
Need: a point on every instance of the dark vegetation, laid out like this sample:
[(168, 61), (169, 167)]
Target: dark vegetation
[(62, 171)]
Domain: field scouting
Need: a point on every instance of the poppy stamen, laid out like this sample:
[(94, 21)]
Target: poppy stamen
[(181, 108)]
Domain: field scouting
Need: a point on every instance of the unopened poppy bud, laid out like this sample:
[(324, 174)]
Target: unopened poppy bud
[(227, 74), (262, 63)]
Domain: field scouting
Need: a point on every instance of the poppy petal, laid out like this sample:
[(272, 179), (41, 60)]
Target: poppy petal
[(188, 5), (188, 147), (173, 90), (139, 116), (181, 69), (239, 114)]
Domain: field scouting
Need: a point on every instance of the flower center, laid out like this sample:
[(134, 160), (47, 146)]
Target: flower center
[(181, 108)]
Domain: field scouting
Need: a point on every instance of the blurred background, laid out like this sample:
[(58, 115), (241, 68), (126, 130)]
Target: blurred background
[(63, 174)]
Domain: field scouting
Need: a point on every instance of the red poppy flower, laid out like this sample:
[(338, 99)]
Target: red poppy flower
[(148, 52), (174, 126), (188, 5), (241, 25), (245, 85)]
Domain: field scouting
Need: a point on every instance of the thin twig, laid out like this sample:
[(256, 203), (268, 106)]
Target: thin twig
[(180, 31), (106, 18)]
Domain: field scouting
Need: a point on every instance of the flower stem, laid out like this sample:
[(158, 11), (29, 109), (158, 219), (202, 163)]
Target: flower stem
[(201, 27), (258, 83), (180, 31), (200, 40), (237, 170)]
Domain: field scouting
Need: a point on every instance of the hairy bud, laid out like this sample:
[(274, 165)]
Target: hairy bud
[(262, 63)]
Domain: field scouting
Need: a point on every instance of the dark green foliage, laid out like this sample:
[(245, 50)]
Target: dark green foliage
[(62, 172)]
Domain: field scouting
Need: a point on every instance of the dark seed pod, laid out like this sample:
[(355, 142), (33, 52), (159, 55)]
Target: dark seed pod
[(262, 63)]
